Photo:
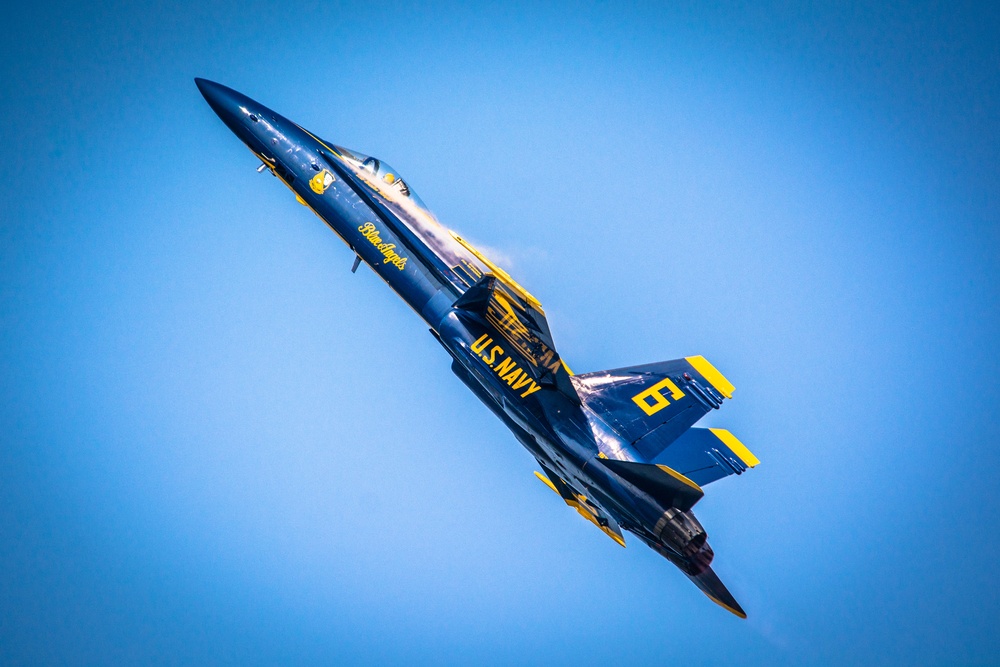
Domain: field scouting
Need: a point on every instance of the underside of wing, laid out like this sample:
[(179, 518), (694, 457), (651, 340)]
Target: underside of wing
[(581, 504)]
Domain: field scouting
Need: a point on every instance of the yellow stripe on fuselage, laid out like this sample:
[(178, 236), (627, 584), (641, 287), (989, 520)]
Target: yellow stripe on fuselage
[(714, 377), (738, 448)]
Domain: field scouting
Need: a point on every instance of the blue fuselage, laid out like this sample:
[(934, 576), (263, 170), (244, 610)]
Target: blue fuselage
[(372, 211)]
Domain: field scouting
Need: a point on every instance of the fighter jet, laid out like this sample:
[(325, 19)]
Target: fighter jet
[(618, 446)]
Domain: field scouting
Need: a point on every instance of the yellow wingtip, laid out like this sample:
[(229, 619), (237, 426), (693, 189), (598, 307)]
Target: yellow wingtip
[(738, 448), (584, 511), (712, 375), (547, 482), (613, 535)]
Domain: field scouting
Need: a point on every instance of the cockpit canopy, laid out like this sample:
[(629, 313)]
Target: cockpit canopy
[(386, 176)]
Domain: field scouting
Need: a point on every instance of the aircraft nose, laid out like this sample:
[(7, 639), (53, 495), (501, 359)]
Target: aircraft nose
[(257, 126), (220, 98), (232, 107)]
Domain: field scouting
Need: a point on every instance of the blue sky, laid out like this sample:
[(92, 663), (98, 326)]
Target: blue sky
[(219, 446)]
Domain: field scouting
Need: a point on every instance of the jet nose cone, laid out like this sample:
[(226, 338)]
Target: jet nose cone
[(230, 106), (218, 96)]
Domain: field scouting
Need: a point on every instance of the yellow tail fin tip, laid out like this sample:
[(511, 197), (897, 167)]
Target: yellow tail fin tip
[(712, 375)]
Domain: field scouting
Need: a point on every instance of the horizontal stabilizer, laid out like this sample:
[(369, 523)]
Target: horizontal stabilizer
[(710, 584), (666, 486), (651, 405), (705, 455)]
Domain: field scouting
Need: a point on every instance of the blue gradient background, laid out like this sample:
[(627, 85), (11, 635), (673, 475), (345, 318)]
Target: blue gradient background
[(219, 446)]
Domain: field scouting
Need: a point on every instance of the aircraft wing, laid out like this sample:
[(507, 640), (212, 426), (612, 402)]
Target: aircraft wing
[(587, 510)]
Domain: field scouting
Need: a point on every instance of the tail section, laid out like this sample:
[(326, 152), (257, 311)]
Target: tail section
[(705, 455), (666, 486), (650, 406), (703, 576), (710, 584), (653, 408)]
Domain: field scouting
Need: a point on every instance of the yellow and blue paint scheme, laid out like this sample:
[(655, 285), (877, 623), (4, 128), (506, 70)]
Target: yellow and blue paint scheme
[(618, 446)]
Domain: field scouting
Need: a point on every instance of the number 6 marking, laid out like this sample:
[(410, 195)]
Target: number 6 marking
[(659, 400)]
